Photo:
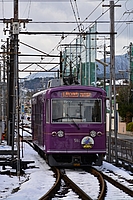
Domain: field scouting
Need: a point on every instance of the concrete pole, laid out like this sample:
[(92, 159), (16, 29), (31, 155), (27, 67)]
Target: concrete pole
[(104, 66), (15, 33), (112, 81)]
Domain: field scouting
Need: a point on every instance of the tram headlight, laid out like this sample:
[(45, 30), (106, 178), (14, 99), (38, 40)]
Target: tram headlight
[(54, 133), (60, 133), (93, 133), (99, 133)]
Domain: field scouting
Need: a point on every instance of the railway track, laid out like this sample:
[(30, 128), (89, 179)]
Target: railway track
[(101, 176), (70, 184), (82, 194), (126, 185), (119, 185), (60, 175), (55, 187)]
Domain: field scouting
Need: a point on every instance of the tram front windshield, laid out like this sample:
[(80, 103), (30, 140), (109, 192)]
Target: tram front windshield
[(81, 110)]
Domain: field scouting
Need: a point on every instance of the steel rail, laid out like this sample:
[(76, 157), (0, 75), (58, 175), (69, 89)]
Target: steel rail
[(75, 188), (101, 177), (101, 181), (60, 175), (118, 185), (55, 187)]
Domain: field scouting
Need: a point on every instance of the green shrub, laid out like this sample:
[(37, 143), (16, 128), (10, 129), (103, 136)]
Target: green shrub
[(130, 126)]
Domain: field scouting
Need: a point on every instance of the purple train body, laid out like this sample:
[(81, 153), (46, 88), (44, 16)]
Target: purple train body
[(68, 124)]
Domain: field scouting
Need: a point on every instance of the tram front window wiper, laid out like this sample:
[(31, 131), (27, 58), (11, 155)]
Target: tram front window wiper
[(72, 119), (59, 119)]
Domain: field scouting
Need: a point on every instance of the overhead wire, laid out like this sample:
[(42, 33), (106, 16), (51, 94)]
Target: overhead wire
[(28, 7), (122, 23), (78, 16), (62, 38), (123, 20), (52, 49), (77, 26), (128, 12), (80, 24), (127, 5), (104, 13), (97, 17), (77, 22), (125, 28), (120, 27), (75, 15), (77, 9)]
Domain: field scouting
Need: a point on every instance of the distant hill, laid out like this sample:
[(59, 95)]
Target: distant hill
[(121, 67), (121, 63), (36, 84), (40, 75), (38, 81)]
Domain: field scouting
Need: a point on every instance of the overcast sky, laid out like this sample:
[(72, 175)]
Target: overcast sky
[(67, 10)]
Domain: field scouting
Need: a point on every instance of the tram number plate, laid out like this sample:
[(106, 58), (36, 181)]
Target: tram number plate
[(76, 164), (76, 140)]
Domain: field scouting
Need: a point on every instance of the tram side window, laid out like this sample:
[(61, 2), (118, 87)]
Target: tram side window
[(37, 115), (47, 110), (96, 111), (57, 110)]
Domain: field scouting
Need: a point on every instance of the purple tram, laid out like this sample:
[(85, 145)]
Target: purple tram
[(68, 124)]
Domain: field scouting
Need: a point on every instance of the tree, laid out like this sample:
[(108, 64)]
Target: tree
[(125, 103)]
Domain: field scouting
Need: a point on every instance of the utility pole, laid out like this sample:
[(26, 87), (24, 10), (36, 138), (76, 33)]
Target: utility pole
[(12, 70), (112, 80), (3, 84), (8, 89), (15, 33), (131, 64), (12, 81), (112, 75), (104, 66)]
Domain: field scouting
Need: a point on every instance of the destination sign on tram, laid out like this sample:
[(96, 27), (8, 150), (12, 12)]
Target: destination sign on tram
[(76, 94)]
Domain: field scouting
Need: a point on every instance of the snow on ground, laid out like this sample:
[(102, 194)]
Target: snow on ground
[(34, 184), (39, 179), (92, 188), (116, 170)]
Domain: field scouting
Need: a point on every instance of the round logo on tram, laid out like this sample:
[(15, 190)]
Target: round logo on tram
[(87, 142)]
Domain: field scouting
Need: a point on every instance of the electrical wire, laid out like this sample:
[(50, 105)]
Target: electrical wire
[(123, 22), (75, 16), (122, 30), (121, 25), (104, 13), (127, 5), (82, 23), (127, 25), (29, 9), (62, 38), (77, 22), (28, 6), (76, 27), (78, 16), (77, 10)]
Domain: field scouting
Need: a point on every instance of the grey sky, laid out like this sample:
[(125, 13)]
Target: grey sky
[(53, 10)]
